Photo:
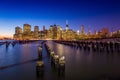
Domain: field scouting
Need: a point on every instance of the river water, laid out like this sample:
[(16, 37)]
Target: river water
[(19, 63)]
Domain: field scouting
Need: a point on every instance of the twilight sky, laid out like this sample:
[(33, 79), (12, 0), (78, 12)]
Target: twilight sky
[(94, 14)]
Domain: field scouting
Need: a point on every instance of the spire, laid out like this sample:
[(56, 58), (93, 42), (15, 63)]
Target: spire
[(89, 30), (82, 29), (66, 22), (67, 27)]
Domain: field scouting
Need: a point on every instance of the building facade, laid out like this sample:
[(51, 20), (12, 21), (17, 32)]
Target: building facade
[(36, 32), (54, 32), (18, 33), (27, 33)]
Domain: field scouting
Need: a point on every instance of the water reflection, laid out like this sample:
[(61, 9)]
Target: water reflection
[(80, 64), (60, 48), (18, 53)]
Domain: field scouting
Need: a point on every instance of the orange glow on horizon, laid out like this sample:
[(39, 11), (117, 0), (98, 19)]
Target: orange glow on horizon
[(5, 36)]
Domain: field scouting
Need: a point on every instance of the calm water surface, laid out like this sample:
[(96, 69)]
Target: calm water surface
[(80, 64)]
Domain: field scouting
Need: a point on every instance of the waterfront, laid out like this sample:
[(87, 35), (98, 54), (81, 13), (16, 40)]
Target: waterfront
[(80, 64)]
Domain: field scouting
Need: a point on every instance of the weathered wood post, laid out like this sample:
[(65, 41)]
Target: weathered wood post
[(61, 68), (40, 53), (40, 68)]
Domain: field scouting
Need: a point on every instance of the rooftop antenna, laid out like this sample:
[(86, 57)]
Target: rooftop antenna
[(66, 22), (67, 25)]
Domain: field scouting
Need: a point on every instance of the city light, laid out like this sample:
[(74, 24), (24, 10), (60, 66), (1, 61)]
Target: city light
[(55, 32), (59, 39)]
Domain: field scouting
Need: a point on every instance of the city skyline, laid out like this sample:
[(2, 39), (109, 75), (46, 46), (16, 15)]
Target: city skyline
[(56, 32), (94, 14)]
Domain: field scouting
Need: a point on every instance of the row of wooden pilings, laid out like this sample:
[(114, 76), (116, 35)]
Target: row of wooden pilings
[(13, 43), (27, 41), (40, 63), (7, 43), (99, 46), (57, 63)]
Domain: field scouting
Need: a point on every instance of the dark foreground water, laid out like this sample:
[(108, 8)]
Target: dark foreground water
[(19, 63)]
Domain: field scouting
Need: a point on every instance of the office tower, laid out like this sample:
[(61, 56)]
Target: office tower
[(36, 32)]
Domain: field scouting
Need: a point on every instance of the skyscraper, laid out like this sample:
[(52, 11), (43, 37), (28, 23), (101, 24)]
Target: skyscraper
[(27, 29), (18, 30), (89, 32), (18, 33), (27, 32), (54, 32), (82, 29), (59, 32), (36, 32), (105, 32), (43, 28), (36, 29)]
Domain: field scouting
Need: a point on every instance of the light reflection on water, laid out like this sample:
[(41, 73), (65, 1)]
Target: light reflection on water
[(80, 64), (18, 53), (87, 64)]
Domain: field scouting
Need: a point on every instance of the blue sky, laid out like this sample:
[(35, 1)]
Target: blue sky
[(91, 13)]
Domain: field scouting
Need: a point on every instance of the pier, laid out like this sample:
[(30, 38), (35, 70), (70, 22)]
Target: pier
[(57, 63), (109, 46)]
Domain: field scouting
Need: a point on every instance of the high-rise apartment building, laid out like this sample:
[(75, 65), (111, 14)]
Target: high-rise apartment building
[(18, 33), (27, 32), (82, 30), (36, 32), (54, 32)]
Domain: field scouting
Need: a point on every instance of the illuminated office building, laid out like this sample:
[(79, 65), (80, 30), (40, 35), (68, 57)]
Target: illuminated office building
[(27, 32), (54, 32), (18, 33), (36, 32)]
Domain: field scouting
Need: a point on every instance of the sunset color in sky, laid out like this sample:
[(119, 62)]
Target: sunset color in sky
[(94, 14)]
